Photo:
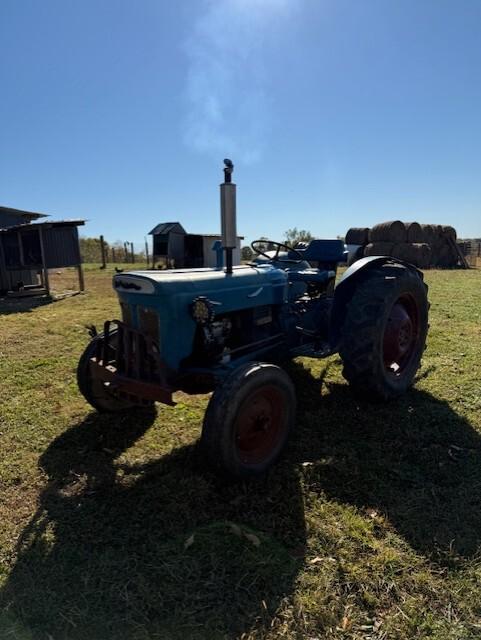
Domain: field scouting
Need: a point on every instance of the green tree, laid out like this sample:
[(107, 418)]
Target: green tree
[(295, 235), (90, 249), (246, 253)]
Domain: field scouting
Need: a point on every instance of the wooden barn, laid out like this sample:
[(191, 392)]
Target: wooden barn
[(173, 247), (10, 218), (29, 249)]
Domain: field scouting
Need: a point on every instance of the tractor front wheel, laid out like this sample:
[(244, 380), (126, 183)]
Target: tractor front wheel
[(95, 391), (384, 332), (248, 420)]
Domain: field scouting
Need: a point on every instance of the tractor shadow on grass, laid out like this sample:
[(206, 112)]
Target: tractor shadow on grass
[(413, 460), (163, 549), (159, 549)]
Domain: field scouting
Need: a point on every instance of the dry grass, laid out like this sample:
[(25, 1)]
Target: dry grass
[(111, 527)]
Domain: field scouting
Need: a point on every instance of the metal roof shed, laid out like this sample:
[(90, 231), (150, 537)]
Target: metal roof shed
[(12, 217), (175, 247), (41, 246), (168, 242)]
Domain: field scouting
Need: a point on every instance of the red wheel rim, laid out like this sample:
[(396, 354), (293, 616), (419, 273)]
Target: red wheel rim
[(260, 425), (400, 335)]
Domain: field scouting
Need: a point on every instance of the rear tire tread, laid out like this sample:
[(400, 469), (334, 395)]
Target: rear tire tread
[(361, 346)]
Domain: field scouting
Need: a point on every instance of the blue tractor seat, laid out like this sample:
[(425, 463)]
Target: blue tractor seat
[(321, 251)]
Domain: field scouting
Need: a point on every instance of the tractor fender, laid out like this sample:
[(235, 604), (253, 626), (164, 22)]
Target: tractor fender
[(346, 286)]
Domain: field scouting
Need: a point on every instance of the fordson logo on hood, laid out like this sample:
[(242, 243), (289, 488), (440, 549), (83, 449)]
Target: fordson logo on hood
[(133, 284)]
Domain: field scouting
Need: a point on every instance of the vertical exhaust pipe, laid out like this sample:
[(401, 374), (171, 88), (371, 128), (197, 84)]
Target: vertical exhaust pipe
[(228, 214)]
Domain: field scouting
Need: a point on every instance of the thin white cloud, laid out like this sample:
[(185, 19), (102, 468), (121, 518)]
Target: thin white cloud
[(227, 106)]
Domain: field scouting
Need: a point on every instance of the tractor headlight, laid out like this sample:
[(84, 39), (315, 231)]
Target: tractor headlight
[(202, 310)]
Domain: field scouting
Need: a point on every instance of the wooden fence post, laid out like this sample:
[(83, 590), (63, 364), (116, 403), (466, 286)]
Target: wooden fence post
[(102, 252), (146, 252), (46, 282), (81, 281)]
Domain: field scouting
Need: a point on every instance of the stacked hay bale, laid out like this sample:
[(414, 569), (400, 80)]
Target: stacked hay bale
[(442, 239), (358, 235), (403, 240), (426, 245), (356, 239)]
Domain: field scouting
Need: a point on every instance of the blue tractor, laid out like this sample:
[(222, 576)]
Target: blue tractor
[(228, 330)]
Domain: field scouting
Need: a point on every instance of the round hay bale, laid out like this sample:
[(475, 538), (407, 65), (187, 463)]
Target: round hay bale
[(446, 257), (429, 233), (416, 253), (435, 255), (442, 257), (439, 242), (356, 252), (424, 255), (378, 249), (402, 251), (357, 235), (388, 232), (449, 232), (414, 232)]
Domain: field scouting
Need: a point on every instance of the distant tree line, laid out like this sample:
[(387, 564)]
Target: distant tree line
[(118, 251)]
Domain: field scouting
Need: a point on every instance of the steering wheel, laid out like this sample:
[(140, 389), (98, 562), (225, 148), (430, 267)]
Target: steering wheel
[(278, 246)]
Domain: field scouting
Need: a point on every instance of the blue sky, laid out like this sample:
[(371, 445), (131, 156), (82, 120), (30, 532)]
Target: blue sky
[(337, 113)]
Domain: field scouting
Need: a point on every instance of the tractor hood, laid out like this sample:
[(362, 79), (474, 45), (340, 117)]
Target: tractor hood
[(170, 295), (245, 279)]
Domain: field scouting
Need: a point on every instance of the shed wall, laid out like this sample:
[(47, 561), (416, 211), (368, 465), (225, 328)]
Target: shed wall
[(26, 276), (176, 248), (61, 247), (210, 258)]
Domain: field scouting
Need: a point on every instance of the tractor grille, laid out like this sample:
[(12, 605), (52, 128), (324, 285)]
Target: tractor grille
[(126, 313), (149, 323), (148, 320), (133, 353)]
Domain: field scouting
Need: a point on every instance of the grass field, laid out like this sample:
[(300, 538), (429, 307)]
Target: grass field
[(369, 527)]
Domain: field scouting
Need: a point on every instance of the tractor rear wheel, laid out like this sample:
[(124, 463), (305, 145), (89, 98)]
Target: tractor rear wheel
[(248, 420), (95, 391), (384, 332)]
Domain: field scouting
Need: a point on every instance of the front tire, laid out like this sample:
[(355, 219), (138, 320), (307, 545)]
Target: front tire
[(248, 420), (95, 391), (384, 332)]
